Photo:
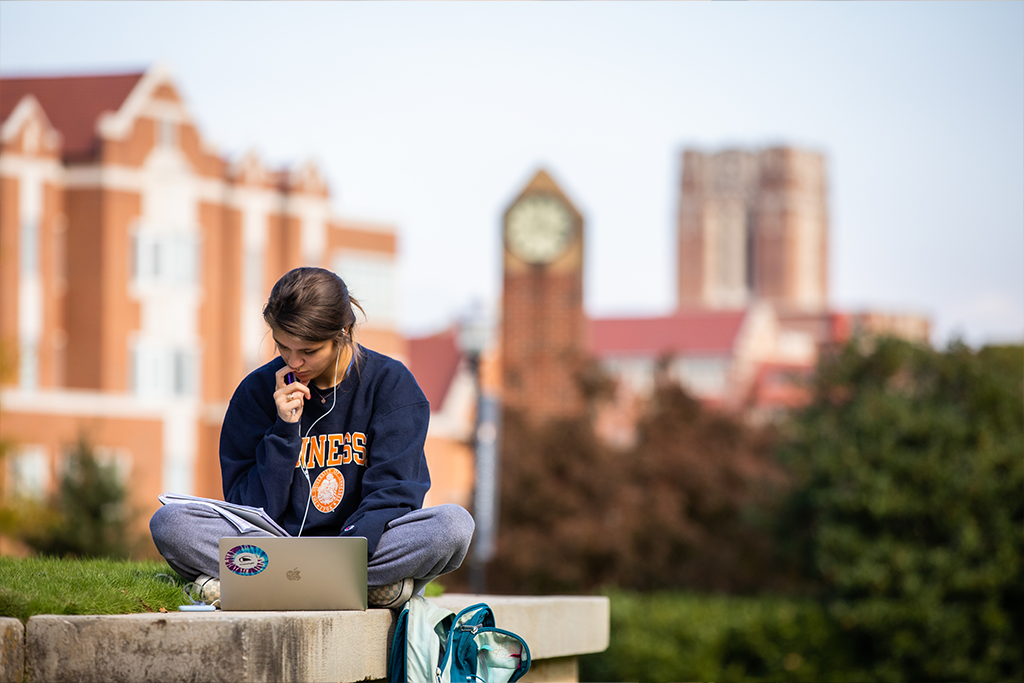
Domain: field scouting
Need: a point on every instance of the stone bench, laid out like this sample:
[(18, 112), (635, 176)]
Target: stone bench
[(238, 647)]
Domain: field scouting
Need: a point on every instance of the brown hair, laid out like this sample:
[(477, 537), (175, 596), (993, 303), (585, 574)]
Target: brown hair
[(314, 305)]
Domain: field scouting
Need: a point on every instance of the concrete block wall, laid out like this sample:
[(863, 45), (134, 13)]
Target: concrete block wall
[(12, 650), (240, 647)]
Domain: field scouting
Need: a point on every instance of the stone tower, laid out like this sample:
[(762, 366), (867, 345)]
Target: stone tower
[(753, 225)]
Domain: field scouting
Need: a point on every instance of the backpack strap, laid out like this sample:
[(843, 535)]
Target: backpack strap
[(396, 658), (427, 627)]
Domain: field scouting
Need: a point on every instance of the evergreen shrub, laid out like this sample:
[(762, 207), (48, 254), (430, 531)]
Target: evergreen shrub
[(678, 636)]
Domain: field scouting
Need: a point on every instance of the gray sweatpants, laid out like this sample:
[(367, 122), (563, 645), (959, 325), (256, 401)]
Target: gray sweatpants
[(421, 545)]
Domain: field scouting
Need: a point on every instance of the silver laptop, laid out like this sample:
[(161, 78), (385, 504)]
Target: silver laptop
[(312, 573)]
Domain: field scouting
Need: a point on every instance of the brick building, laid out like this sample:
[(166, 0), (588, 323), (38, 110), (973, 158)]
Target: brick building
[(134, 263)]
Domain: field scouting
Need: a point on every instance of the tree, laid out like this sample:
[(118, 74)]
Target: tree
[(556, 532), (91, 518), (907, 506), (704, 486), (679, 509)]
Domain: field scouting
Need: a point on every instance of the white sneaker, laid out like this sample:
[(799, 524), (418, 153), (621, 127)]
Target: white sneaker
[(391, 596), (205, 589)]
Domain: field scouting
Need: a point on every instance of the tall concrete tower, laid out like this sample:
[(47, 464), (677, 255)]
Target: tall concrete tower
[(753, 225)]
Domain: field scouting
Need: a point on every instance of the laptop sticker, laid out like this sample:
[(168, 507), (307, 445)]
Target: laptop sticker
[(246, 560)]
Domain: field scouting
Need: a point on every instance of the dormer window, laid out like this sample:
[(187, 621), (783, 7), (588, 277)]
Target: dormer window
[(32, 137), (167, 133)]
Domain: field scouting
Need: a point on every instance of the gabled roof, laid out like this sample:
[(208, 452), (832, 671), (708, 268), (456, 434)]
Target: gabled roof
[(433, 361), (542, 183), (27, 109), (72, 103), (698, 331), (780, 385)]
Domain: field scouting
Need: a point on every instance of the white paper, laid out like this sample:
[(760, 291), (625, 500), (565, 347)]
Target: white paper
[(236, 514)]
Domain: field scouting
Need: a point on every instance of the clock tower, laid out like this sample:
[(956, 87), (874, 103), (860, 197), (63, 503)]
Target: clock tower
[(543, 325)]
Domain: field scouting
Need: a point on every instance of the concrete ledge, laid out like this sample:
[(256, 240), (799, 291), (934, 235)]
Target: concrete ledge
[(238, 647), (217, 646), (553, 626), (12, 650)]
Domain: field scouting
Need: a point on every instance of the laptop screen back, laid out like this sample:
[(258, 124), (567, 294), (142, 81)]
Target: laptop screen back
[(312, 573)]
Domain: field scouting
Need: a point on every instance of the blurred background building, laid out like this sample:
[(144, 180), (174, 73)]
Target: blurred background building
[(135, 260), (134, 264)]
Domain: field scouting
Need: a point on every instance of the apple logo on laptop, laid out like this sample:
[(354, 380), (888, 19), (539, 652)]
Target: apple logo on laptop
[(293, 574)]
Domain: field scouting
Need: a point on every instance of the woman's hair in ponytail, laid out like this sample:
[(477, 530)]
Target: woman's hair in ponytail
[(312, 304)]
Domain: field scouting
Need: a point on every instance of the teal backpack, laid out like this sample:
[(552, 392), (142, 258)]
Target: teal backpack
[(435, 644)]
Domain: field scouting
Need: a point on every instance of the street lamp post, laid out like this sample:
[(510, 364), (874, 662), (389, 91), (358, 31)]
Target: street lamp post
[(473, 336)]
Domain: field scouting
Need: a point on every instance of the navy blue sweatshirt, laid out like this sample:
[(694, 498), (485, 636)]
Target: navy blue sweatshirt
[(365, 459)]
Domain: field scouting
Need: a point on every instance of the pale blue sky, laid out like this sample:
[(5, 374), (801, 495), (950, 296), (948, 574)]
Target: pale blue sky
[(432, 116)]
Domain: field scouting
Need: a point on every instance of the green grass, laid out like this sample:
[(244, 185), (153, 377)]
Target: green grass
[(46, 585)]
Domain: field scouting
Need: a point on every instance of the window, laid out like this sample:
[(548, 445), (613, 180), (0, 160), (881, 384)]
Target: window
[(371, 280), (30, 200), (183, 369), (30, 472), (167, 133), (165, 259), (29, 243), (60, 253), (252, 276), (119, 459), (28, 364), (704, 377), (160, 371)]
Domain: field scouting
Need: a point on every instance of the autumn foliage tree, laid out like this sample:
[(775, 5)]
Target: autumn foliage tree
[(682, 507)]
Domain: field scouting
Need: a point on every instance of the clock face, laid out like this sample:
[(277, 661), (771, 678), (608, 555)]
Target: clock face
[(539, 229)]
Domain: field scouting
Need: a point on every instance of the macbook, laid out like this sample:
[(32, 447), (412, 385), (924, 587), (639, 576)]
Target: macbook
[(311, 573)]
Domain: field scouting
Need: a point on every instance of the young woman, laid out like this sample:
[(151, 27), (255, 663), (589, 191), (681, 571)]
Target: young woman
[(328, 439)]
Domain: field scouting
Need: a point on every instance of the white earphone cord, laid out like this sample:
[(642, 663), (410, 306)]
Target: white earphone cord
[(302, 460)]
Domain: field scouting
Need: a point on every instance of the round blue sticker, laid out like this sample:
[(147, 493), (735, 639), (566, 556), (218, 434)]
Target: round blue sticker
[(246, 560)]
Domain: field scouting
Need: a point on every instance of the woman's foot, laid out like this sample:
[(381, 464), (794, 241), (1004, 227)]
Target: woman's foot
[(391, 596)]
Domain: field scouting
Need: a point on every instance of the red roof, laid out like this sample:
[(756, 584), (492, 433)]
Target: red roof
[(433, 361), (781, 385), (686, 331), (72, 103), (840, 328)]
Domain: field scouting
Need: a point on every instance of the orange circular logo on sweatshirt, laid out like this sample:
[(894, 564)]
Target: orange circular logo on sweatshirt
[(328, 489)]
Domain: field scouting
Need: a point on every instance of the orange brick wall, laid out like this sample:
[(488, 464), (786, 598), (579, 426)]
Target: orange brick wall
[(213, 309), (84, 298), (452, 472), (133, 150), (543, 337), (53, 250), (119, 311), (229, 265), (388, 342), (207, 474), (351, 237), (8, 276)]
